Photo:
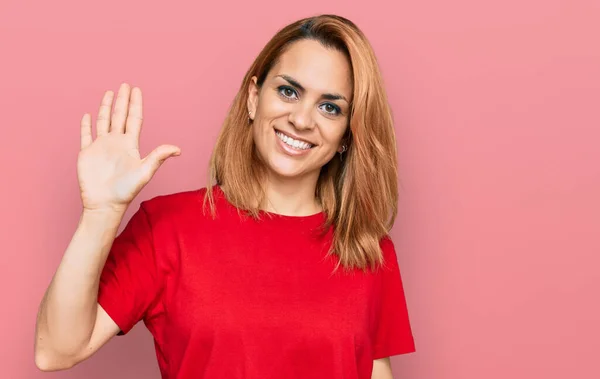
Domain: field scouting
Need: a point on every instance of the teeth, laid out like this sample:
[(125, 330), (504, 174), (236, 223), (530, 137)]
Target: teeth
[(293, 143)]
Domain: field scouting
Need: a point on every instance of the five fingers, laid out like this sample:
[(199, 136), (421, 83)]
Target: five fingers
[(125, 119)]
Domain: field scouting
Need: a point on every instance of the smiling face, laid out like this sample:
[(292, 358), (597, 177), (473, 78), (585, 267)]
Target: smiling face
[(301, 111)]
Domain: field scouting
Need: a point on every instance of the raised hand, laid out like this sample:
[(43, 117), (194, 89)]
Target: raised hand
[(109, 169)]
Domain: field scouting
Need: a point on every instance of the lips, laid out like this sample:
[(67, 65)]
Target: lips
[(296, 138)]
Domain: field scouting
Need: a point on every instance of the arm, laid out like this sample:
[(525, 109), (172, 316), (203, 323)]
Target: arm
[(71, 326), (382, 369)]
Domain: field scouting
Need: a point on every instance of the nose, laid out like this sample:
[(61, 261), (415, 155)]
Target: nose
[(301, 117)]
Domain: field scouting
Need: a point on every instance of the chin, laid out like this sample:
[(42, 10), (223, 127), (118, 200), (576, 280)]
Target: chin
[(285, 168)]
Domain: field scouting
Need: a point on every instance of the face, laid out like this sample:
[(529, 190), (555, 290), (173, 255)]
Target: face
[(301, 111)]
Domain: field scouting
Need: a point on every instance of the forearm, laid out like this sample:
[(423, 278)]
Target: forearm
[(68, 310)]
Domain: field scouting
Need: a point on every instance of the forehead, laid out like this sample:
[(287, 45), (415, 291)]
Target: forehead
[(317, 68)]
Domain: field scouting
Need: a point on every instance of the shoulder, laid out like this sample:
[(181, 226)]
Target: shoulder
[(387, 246), (388, 251), (174, 206), (173, 201)]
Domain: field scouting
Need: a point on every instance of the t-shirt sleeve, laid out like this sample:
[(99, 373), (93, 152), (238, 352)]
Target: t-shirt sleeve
[(393, 334), (129, 285)]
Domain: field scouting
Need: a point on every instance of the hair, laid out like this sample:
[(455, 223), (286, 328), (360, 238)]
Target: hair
[(358, 194)]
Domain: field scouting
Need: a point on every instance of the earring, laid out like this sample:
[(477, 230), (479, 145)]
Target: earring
[(249, 117), (344, 148)]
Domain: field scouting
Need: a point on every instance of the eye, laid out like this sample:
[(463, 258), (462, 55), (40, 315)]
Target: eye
[(331, 109), (287, 92)]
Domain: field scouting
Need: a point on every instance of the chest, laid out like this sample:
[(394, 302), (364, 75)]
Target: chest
[(249, 286)]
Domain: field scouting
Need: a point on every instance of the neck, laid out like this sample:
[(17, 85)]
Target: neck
[(291, 197)]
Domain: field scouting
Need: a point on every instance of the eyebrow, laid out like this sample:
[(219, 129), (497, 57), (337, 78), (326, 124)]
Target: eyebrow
[(328, 96)]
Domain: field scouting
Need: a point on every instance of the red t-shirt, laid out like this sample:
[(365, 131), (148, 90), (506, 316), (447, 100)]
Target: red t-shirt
[(234, 297)]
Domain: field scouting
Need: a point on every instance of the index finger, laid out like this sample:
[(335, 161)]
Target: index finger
[(135, 115)]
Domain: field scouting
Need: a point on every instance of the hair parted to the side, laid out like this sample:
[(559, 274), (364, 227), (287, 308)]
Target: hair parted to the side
[(359, 194)]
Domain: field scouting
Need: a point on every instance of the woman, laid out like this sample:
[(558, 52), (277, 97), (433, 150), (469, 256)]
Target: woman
[(283, 267)]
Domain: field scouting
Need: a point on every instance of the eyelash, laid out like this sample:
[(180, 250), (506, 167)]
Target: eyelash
[(281, 89)]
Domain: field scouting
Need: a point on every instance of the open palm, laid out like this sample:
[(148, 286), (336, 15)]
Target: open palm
[(109, 169)]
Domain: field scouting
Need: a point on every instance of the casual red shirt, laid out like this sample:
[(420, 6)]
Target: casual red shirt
[(233, 297)]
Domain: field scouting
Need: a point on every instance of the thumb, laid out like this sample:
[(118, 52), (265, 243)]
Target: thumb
[(156, 158)]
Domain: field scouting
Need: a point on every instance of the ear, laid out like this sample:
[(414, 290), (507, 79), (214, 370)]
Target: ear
[(252, 97), (345, 142)]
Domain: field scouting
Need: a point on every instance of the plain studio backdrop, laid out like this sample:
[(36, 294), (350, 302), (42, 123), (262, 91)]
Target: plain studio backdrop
[(497, 113)]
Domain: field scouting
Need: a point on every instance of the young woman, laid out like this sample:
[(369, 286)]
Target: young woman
[(282, 268)]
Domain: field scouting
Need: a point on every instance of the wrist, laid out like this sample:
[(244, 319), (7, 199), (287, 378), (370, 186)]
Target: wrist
[(107, 216)]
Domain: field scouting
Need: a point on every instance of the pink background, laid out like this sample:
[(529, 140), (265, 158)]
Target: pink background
[(498, 126)]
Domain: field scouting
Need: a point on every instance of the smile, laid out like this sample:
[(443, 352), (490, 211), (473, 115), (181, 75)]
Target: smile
[(295, 144)]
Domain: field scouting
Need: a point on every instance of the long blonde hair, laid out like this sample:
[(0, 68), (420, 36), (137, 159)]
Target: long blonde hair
[(359, 195)]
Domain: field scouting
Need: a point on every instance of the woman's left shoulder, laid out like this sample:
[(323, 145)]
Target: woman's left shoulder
[(387, 245), (388, 251)]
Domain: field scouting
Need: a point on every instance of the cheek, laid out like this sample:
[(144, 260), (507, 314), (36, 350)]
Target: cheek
[(333, 134), (257, 133), (262, 135), (271, 106)]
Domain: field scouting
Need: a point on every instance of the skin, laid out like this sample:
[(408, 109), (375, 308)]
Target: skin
[(71, 326)]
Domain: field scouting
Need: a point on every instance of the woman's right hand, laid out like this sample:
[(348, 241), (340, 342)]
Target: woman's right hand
[(109, 169)]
